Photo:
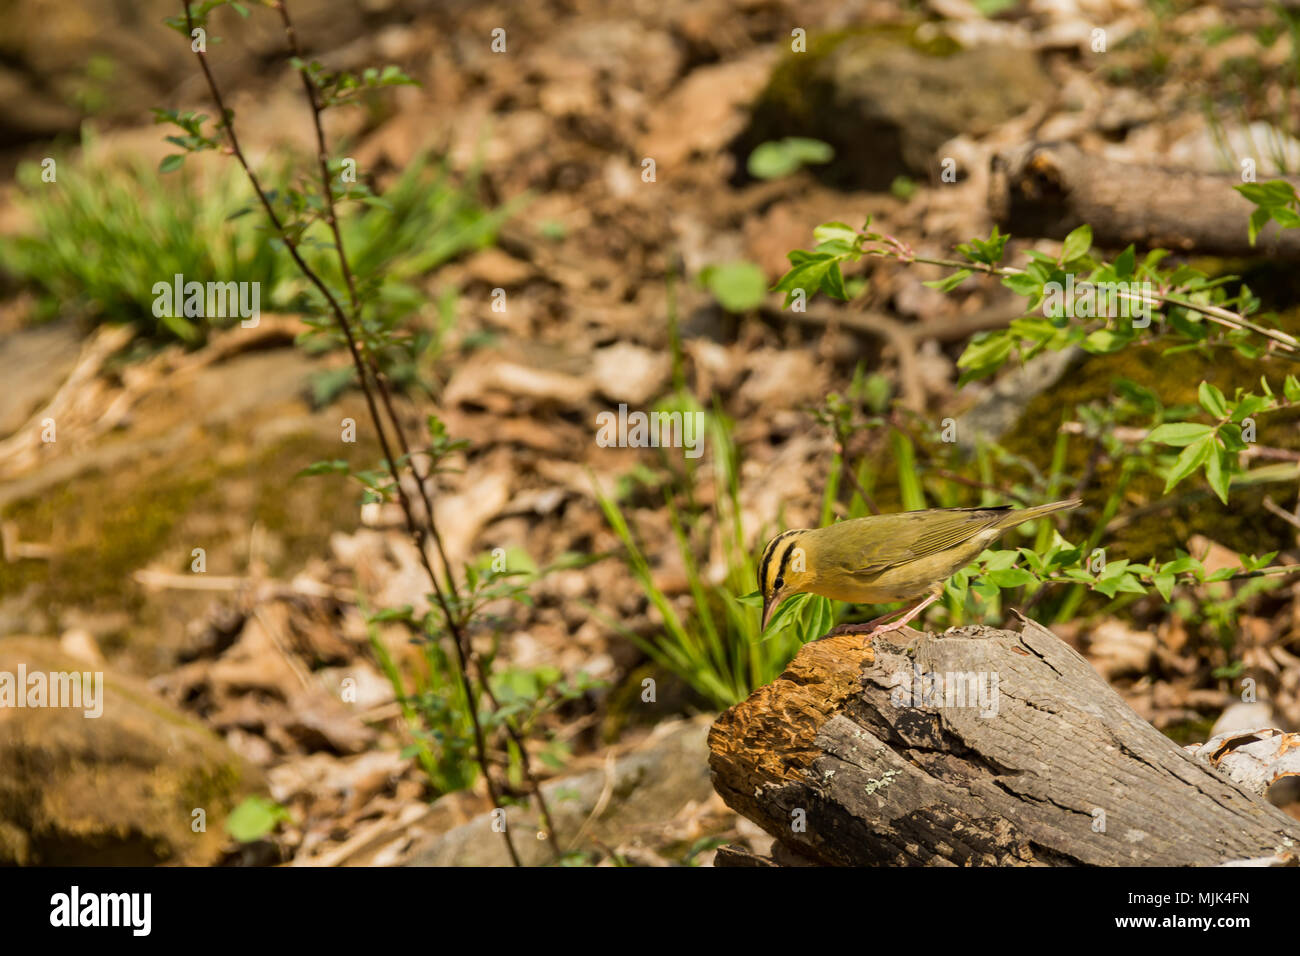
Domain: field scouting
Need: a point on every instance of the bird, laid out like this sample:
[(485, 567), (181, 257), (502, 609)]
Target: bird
[(884, 558)]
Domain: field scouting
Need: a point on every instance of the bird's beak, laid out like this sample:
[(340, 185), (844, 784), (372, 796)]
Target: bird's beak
[(768, 607)]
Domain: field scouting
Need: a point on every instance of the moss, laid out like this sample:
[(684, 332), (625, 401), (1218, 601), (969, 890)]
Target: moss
[(1190, 731), (1242, 525), (102, 526), (216, 787), (304, 512)]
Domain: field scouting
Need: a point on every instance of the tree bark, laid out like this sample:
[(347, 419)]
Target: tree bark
[(1048, 189), (846, 761)]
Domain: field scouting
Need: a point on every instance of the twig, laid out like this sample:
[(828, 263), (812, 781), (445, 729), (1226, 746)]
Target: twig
[(1282, 513), (385, 394), (362, 367), (1214, 313)]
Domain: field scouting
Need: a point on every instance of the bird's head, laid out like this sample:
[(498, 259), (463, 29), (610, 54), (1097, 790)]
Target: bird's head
[(786, 569)]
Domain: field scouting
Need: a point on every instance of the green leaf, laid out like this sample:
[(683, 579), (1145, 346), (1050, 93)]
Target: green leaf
[(336, 467), (1216, 473), (1212, 400), (255, 818), (1275, 192), (831, 231), (951, 282), (171, 163), (1259, 218), (984, 355), (1105, 341), (772, 160), (1022, 283), (1077, 243), (1182, 564), (1192, 457), (1011, 577), (739, 286), (1179, 434), (1129, 584), (402, 613), (819, 619), (1164, 583), (1125, 263), (1285, 217), (833, 283), (1248, 406)]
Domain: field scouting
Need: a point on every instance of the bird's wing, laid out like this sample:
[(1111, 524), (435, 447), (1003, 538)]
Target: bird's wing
[(891, 540)]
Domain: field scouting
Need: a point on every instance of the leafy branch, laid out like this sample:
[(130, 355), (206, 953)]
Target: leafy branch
[(291, 230), (1179, 303)]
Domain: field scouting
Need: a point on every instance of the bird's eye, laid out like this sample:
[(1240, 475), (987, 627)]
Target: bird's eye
[(779, 583)]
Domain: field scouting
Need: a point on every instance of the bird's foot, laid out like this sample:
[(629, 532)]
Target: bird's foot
[(883, 625)]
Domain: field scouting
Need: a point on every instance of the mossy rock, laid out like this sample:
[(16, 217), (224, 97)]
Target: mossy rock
[(1243, 524), (887, 100), (118, 789)]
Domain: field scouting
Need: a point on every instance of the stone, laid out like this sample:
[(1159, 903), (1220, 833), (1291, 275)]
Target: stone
[(886, 103), (649, 786), (117, 790)]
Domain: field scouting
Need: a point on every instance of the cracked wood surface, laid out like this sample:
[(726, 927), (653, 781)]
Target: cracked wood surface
[(1050, 768)]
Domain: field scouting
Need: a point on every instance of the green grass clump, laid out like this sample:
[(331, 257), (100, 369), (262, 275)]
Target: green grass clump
[(104, 233), (715, 644)]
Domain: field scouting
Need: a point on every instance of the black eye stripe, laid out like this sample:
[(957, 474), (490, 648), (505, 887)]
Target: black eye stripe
[(766, 564), (785, 558)]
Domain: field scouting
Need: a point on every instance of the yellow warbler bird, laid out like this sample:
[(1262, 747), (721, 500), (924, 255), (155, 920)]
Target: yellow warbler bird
[(884, 558)]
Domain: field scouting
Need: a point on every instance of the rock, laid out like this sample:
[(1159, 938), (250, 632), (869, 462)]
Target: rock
[(649, 786), (496, 268), (887, 102), (630, 373), (81, 644), (1117, 650), (1242, 716), (33, 364), (118, 789)]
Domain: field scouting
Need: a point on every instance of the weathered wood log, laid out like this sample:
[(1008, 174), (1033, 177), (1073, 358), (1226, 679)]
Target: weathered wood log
[(849, 759), (1048, 189)]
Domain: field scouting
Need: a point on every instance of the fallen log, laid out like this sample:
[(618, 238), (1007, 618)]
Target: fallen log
[(1048, 189), (974, 747)]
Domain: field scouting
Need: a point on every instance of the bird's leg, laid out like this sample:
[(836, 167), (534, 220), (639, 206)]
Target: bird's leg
[(878, 625)]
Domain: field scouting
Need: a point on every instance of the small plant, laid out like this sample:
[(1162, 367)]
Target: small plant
[(256, 818), (738, 286), (782, 157), (716, 645), (346, 303)]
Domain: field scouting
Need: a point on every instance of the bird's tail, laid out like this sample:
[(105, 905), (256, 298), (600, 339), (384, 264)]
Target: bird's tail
[(1021, 515)]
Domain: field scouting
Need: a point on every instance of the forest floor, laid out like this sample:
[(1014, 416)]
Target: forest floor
[(181, 448)]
